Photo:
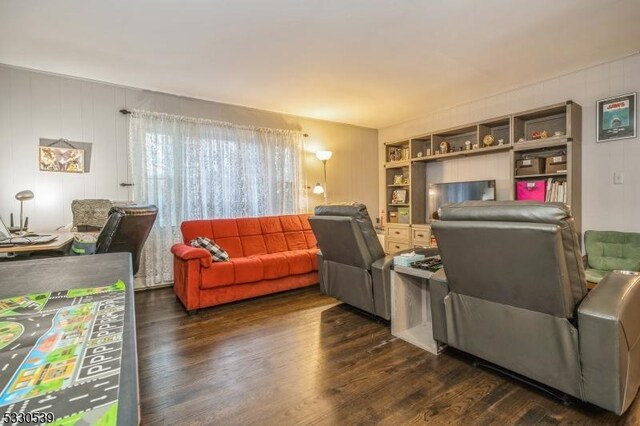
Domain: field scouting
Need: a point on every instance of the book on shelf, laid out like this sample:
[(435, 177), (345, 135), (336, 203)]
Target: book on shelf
[(556, 191)]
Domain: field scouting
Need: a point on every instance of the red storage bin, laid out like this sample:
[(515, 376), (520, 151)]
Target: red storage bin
[(531, 190)]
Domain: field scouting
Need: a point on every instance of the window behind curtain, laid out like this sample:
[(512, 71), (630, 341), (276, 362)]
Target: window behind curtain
[(194, 168)]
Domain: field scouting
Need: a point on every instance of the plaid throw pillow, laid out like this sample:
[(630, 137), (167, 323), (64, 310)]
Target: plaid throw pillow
[(217, 253)]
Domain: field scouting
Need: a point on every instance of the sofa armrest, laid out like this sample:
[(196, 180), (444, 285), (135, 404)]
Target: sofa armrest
[(609, 330), (185, 252), (439, 289)]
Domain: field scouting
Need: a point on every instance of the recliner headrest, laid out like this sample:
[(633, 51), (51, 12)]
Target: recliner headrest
[(506, 211)]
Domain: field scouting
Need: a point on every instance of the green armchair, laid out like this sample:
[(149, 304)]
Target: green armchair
[(608, 251)]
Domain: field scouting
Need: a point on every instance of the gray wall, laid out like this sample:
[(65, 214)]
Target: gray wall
[(605, 206), (36, 105)]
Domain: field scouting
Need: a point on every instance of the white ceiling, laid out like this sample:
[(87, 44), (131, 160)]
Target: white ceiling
[(366, 62)]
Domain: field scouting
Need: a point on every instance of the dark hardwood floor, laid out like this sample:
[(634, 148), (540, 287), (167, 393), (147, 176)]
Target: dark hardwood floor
[(299, 358)]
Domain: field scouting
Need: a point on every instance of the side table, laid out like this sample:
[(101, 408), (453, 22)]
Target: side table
[(411, 308)]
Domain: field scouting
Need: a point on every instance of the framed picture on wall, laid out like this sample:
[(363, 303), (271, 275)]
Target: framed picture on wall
[(616, 118), (55, 159)]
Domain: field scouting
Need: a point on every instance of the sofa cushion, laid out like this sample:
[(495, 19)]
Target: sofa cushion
[(290, 223), (275, 243), (270, 224), (247, 270), (196, 228), (218, 274), (248, 226), (274, 265), (299, 262), (231, 245), (253, 245), (311, 239), (224, 228), (313, 255), (295, 240)]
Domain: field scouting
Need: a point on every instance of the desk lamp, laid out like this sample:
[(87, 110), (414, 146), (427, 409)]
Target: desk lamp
[(23, 196)]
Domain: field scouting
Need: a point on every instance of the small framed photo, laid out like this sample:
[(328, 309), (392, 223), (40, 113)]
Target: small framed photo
[(616, 118), (399, 196)]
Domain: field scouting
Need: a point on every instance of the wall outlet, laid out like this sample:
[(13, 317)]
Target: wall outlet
[(618, 178)]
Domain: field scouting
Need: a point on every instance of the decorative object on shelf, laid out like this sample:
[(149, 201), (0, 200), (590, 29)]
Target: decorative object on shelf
[(558, 133), (521, 140), (616, 118), (428, 152), (419, 155), (405, 180), (467, 145), (23, 196), (444, 147), (488, 140), (539, 135), (67, 159), (399, 196), (475, 146), (323, 156), (397, 179), (500, 142)]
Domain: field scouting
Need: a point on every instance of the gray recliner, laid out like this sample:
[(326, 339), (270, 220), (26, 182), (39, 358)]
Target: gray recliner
[(352, 264), (514, 293)]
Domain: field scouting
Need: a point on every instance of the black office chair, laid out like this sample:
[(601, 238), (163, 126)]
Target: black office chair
[(127, 230)]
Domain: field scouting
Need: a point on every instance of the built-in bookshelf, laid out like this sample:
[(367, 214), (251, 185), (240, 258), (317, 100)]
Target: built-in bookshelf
[(552, 133)]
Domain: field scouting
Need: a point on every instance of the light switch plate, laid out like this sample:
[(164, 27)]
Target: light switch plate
[(618, 178)]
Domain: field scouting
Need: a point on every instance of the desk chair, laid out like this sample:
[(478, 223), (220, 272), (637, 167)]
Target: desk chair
[(127, 230)]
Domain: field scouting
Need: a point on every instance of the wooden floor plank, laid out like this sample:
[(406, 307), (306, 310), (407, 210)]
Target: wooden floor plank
[(301, 358)]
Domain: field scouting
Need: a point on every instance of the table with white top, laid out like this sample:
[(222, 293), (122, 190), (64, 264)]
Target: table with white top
[(411, 308)]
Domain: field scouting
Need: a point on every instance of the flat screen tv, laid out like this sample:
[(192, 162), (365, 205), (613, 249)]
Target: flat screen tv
[(440, 194)]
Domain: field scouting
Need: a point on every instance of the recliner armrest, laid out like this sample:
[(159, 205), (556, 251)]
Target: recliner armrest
[(380, 274), (609, 330), (439, 289)]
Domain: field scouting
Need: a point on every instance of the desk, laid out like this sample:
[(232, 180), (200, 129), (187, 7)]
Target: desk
[(411, 308), (19, 278), (59, 244)]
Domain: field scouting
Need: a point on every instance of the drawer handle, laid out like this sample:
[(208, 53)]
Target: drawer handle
[(397, 233), (397, 246), (420, 235)]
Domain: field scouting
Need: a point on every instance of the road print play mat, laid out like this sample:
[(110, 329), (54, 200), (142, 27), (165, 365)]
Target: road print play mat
[(60, 356)]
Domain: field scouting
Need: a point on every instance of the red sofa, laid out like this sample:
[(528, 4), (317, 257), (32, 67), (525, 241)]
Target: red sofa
[(266, 255)]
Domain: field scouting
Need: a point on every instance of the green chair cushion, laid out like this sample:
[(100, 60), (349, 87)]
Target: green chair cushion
[(594, 275), (611, 250)]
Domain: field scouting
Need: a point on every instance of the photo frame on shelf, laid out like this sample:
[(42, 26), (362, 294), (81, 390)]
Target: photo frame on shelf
[(398, 179), (616, 118), (399, 196)]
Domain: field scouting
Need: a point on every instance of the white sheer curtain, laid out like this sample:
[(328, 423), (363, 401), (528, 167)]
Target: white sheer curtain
[(196, 168)]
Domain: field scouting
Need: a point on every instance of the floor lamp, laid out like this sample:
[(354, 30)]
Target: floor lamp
[(323, 156)]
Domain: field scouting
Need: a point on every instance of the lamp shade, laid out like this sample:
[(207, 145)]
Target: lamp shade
[(324, 155), (318, 189), (24, 195)]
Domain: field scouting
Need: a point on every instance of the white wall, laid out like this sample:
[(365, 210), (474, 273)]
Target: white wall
[(36, 105), (605, 206)]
